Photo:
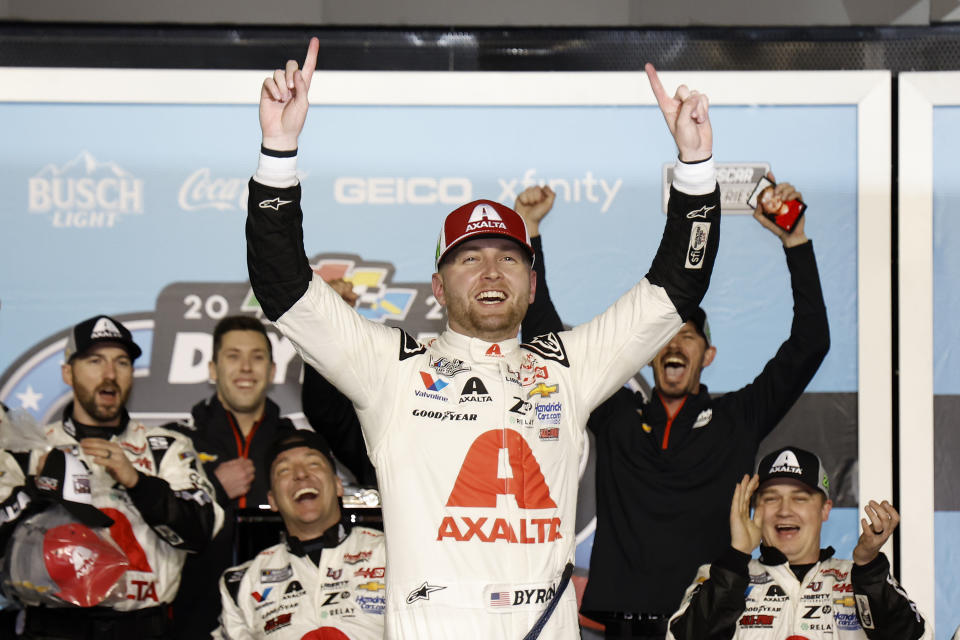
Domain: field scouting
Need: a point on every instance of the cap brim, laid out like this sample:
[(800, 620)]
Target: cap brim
[(793, 479), (127, 345), (485, 234)]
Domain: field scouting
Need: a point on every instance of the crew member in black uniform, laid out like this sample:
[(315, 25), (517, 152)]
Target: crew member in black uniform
[(665, 467), (231, 431)]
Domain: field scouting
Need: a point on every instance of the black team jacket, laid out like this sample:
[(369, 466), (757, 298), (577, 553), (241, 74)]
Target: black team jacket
[(664, 485)]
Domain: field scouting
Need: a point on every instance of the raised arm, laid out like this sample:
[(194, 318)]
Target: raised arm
[(533, 204), (279, 271), (684, 260), (330, 336), (767, 399), (614, 345)]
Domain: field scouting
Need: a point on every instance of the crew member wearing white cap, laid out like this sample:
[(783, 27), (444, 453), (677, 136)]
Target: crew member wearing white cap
[(796, 590), (146, 480), (476, 438)]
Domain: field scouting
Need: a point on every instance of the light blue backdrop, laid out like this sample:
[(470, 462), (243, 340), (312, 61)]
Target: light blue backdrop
[(946, 345)]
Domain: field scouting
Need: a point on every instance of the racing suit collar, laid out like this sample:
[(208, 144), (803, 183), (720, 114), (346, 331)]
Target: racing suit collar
[(80, 431), (313, 548), (475, 349), (772, 556)]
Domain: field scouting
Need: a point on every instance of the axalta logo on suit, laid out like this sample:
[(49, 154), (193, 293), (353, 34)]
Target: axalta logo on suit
[(479, 485)]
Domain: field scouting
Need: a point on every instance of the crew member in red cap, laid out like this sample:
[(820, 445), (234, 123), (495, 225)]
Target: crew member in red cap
[(476, 438), (147, 481), (796, 590)]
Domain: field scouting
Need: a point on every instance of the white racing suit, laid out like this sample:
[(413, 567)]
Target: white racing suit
[(835, 601), (284, 595), (477, 444), (169, 512)]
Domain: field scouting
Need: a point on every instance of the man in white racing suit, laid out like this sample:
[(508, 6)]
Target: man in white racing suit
[(326, 581), (796, 590), (476, 438), (145, 479)]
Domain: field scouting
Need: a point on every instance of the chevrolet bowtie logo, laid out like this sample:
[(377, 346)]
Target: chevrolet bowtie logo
[(543, 390), (372, 586), (274, 204)]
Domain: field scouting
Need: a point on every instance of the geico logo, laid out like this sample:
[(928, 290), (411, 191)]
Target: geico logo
[(526, 531), (444, 415), (422, 190), (735, 174)]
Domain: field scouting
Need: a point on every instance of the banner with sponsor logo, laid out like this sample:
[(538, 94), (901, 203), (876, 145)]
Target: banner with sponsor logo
[(930, 341), (131, 202)]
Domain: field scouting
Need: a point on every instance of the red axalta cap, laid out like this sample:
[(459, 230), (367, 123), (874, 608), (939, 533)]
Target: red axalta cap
[(481, 218), (84, 566)]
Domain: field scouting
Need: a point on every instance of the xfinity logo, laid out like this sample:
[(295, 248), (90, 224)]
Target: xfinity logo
[(391, 190), (580, 189)]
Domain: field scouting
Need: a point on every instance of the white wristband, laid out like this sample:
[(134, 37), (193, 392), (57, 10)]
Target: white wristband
[(279, 173), (697, 179)]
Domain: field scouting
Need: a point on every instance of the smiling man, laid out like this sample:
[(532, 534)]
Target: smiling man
[(231, 431), (663, 463), (476, 438), (146, 479), (796, 590), (326, 581)]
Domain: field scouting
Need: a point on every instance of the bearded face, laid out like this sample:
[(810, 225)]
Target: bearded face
[(102, 378), (486, 285), (677, 368)]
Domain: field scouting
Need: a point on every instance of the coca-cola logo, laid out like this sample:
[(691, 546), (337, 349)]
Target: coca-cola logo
[(202, 190)]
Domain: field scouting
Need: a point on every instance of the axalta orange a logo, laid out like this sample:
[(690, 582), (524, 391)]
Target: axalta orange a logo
[(479, 483)]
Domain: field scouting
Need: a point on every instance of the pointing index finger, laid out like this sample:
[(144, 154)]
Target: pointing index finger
[(657, 87), (310, 62)]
